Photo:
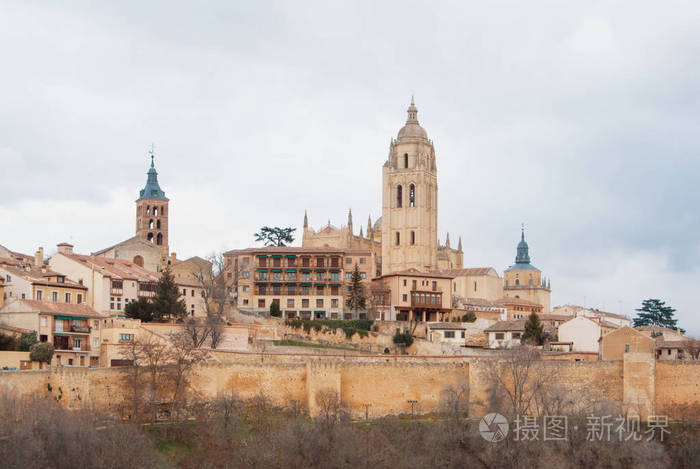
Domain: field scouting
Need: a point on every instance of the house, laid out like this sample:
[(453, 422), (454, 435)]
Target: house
[(114, 283), (73, 329), (518, 308), (582, 332), (670, 343), (505, 334), (417, 296), (481, 283), (447, 333), (38, 282), (615, 344)]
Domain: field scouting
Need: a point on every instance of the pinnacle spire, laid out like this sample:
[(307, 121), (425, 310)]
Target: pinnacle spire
[(447, 240), (350, 220), (412, 112), (459, 245), (152, 189), (306, 219), (523, 251), (361, 235)]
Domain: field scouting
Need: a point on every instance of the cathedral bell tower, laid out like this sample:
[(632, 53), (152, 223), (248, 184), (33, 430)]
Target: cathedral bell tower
[(409, 200), (152, 212)]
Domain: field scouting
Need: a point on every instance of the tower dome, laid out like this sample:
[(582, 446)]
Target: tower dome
[(412, 129)]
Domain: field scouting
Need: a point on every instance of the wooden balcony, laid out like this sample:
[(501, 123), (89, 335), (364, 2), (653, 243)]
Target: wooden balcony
[(426, 299)]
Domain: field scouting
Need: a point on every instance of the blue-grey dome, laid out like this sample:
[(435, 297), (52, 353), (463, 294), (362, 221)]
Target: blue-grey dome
[(152, 190), (522, 258)]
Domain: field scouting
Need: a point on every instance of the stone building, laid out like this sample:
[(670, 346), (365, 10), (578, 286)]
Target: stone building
[(306, 282), (406, 235), (475, 283), (524, 280)]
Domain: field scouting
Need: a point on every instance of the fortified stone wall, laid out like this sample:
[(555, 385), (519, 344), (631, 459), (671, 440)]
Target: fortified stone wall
[(387, 384)]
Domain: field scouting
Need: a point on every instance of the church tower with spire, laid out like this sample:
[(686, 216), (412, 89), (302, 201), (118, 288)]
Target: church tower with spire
[(152, 212), (409, 200), (524, 280)]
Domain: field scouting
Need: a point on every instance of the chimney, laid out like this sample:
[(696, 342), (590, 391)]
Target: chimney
[(39, 257), (173, 258), (65, 248)]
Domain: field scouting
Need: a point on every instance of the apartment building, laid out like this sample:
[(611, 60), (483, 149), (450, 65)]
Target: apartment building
[(412, 295), (306, 282), (40, 283)]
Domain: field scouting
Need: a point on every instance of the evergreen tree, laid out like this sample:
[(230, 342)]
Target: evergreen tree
[(275, 309), (167, 301), (654, 312), (41, 352), (275, 236), (534, 332), (27, 340), (356, 299), (142, 309)]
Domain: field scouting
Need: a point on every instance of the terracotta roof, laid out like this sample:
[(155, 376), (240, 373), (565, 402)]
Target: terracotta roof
[(64, 309), (296, 250), (416, 273), (17, 330), (9, 261), (479, 302), (502, 326), (652, 328), (506, 300), (554, 317), (38, 276), (445, 325), (133, 238), (470, 271), (609, 324)]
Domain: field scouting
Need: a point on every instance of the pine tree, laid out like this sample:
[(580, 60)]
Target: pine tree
[(654, 312), (534, 332), (356, 299), (167, 301)]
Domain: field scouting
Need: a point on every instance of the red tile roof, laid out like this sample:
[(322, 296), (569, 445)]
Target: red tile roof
[(65, 309), (469, 271)]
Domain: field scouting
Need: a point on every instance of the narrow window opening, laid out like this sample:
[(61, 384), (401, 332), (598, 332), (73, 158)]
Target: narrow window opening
[(399, 196), (413, 237), (405, 160), (398, 238), (412, 196)]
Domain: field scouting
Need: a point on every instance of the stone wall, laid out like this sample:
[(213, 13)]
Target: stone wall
[(386, 383)]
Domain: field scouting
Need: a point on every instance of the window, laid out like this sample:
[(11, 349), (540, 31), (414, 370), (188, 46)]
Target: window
[(462, 335), (126, 337), (262, 275), (499, 335), (8, 277), (404, 297), (398, 238), (515, 335), (245, 301), (77, 342), (411, 195), (319, 275), (305, 289), (348, 260), (261, 303), (276, 289), (413, 237), (348, 275), (54, 296), (449, 334), (363, 260), (246, 274), (399, 196), (246, 288), (319, 290), (474, 286), (335, 290), (291, 275), (404, 282), (192, 293), (363, 275), (38, 295), (276, 262), (319, 303), (43, 338), (111, 306), (517, 282), (95, 342), (95, 324), (79, 298), (334, 303), (290, 302), (627, 348), (42, 321), (414, 284), (67, 297), (305, 276), (305, 303), (434, 285), (277, 275), (334, 275)]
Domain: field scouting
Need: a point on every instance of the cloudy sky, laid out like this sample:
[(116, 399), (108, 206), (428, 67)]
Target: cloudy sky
[(579, 119)]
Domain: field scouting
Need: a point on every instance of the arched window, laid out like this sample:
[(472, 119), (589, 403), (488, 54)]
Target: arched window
[(411, 195), (399, 196), (150, 237), (148, 210), (517, 282), (413, 237), (405, 160), (155, 211), (158, 224), (159, 239), (150, 225), (162, 211), (398, 238), (138, 260)]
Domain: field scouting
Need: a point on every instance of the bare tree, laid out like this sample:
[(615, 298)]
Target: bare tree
[(184, 356), (152, 353), (197, 332), (332, 409), (692, 348)]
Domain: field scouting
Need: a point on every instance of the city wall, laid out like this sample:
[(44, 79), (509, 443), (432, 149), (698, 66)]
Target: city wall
[(380, 385)]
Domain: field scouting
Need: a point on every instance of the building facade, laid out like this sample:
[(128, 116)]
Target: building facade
[(306, 283)]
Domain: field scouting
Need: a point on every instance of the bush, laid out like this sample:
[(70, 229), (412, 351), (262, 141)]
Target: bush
[(275, 309), (469, 317), (41, 352), (405, 338), (349, 326), (27, 340)]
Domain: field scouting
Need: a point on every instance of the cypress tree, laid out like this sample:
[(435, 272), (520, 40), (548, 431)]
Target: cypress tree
[(534, 332)]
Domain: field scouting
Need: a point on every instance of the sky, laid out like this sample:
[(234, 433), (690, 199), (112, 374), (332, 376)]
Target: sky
[(578, 119)]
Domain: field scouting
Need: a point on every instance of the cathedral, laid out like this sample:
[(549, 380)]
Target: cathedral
[(406, 235)]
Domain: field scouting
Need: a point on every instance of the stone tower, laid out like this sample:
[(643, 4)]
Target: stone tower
[(152, 212), (524, 280), (409, 200)]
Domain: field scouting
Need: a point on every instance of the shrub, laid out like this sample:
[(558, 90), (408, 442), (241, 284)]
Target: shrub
[(27, 340), (405, 338), (275, 309), (41, 352), (469, 317)]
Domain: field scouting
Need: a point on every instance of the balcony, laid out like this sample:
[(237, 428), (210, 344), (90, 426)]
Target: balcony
[(66, 343), (426, 299), (80, 329)]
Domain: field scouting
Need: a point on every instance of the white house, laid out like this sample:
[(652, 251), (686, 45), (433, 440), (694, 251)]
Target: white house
[(505, 334), (583, 332)]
